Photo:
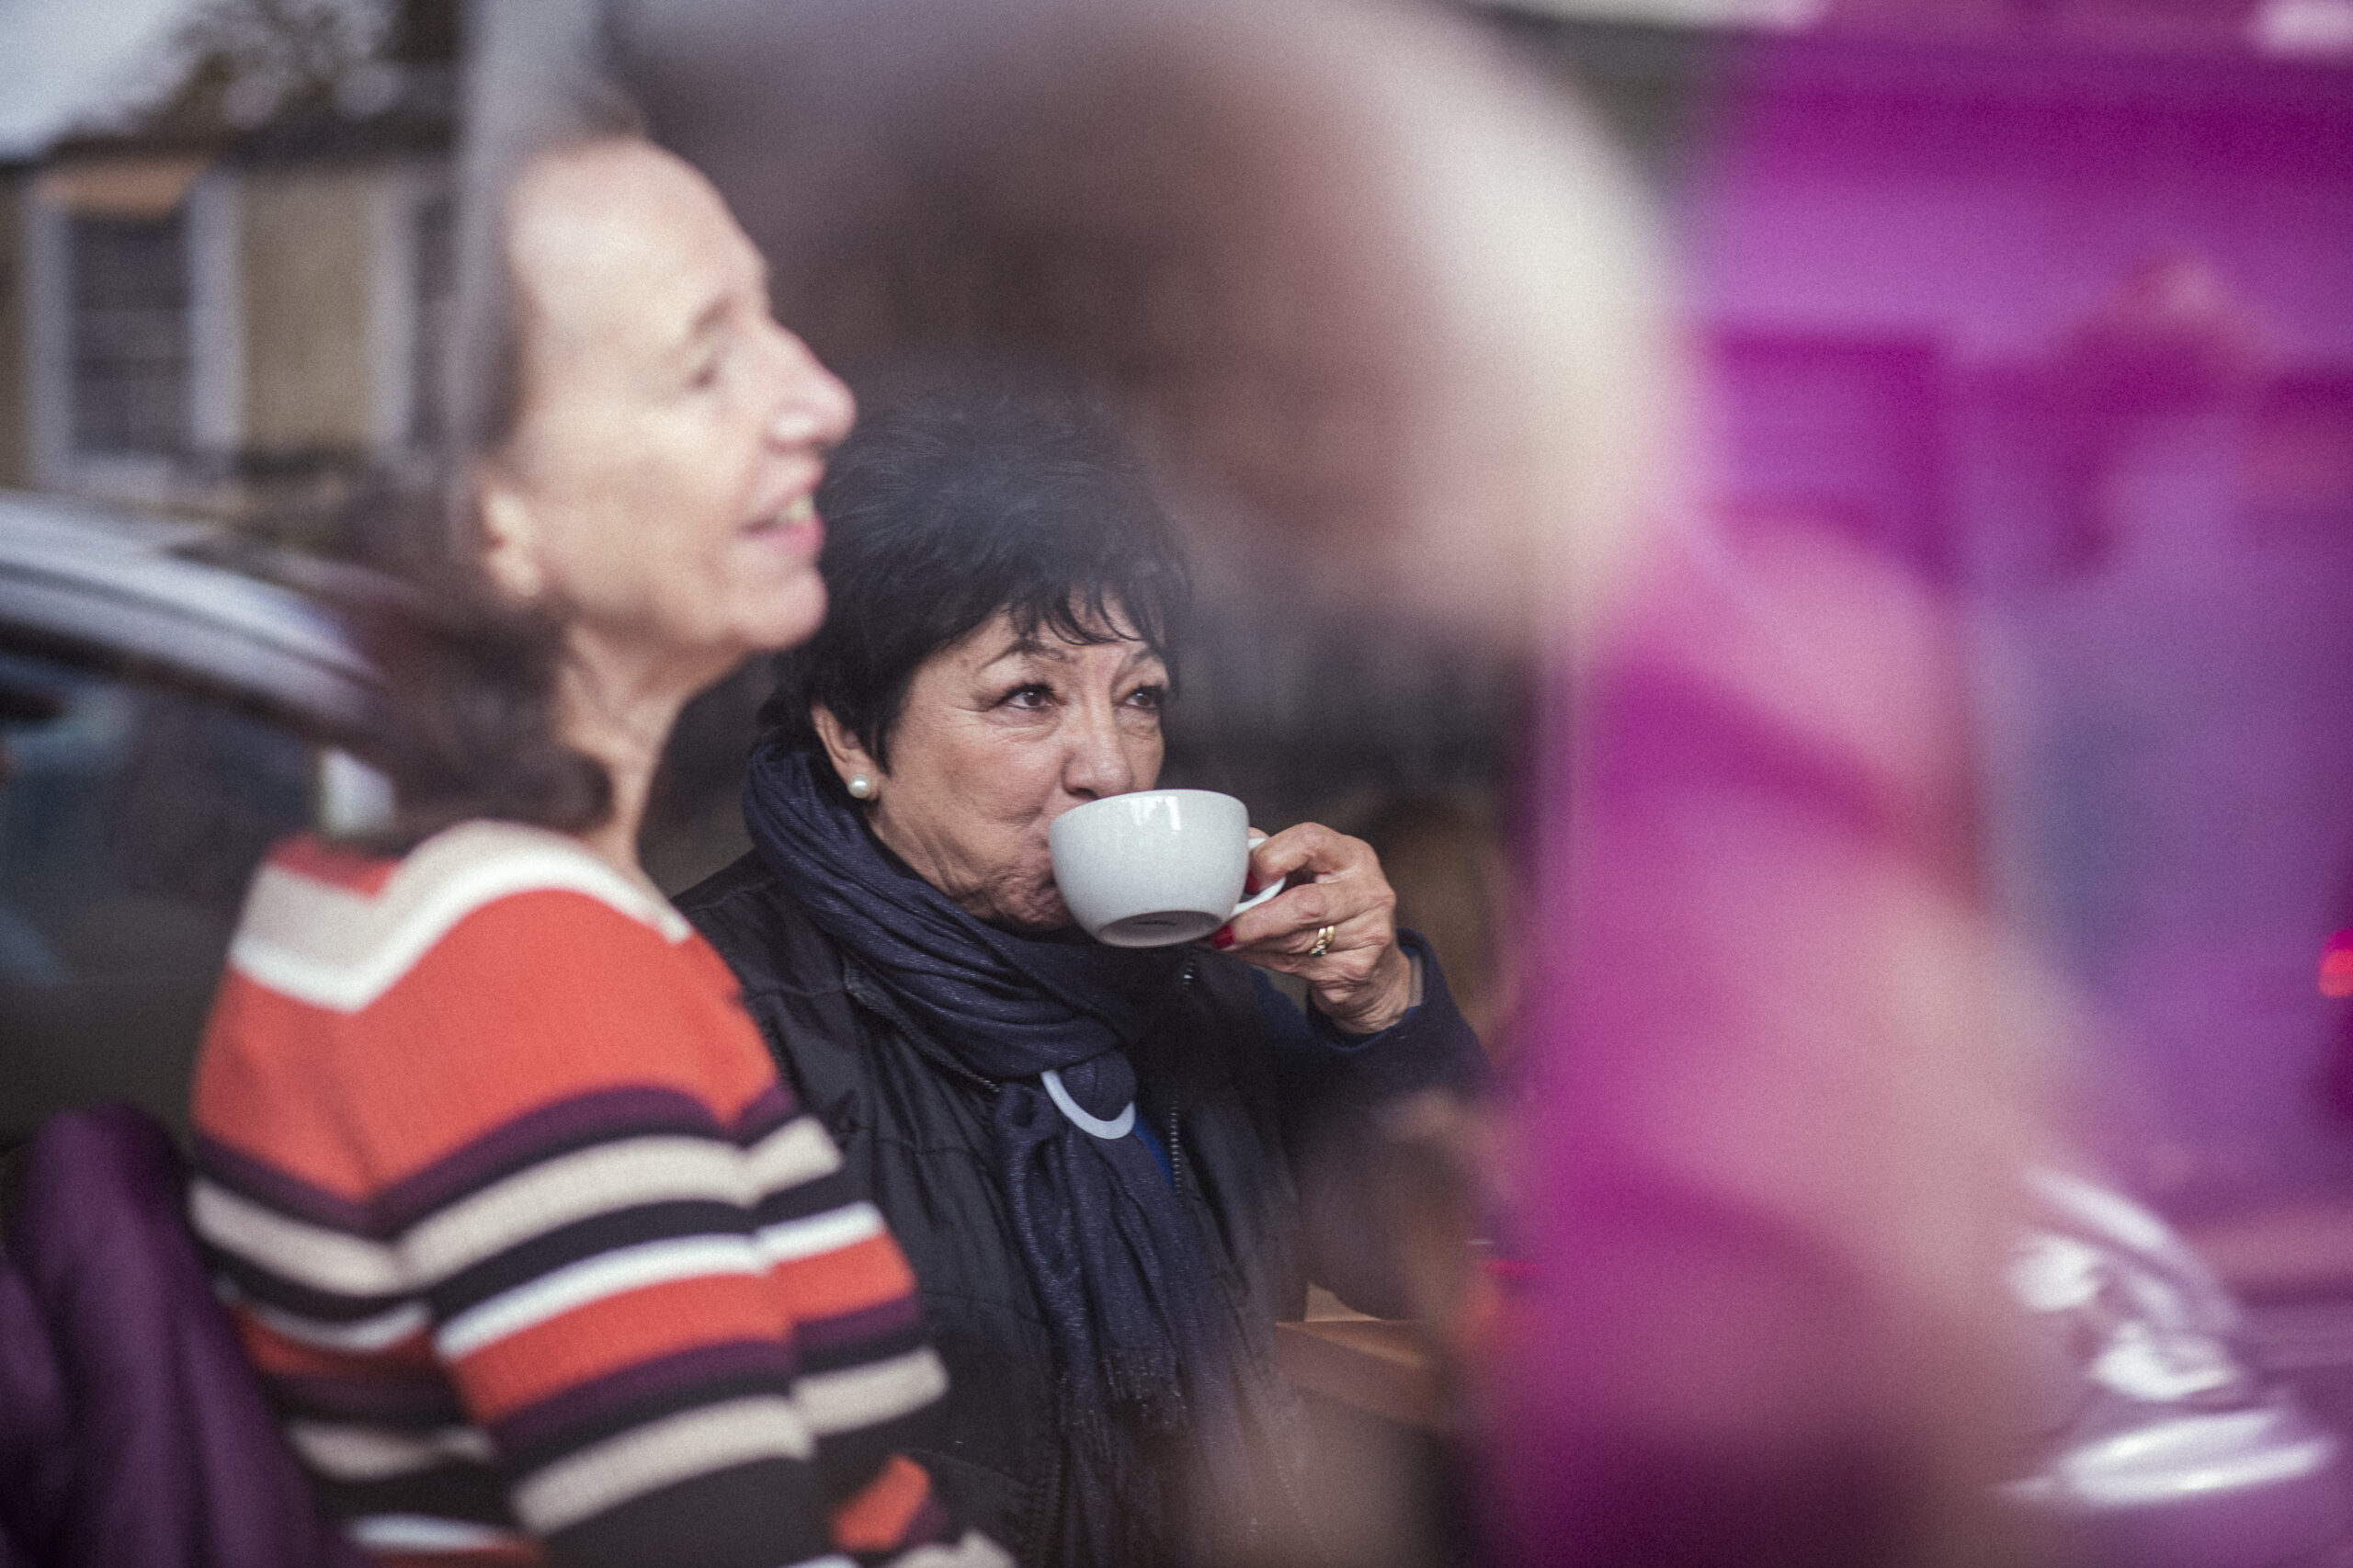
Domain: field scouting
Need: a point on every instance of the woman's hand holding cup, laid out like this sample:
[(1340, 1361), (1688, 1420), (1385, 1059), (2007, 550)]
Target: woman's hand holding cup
[(1358, 976), (1152, 868)]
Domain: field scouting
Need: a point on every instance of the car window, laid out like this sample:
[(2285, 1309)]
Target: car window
[(130, 820)]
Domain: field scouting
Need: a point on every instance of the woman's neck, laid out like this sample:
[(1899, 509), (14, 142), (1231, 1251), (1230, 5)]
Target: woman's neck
[(618, 709)]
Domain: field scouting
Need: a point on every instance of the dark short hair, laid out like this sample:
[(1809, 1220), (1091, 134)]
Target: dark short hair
[(959, 503)]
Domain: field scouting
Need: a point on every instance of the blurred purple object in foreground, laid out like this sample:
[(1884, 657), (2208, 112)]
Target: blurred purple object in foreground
[(136, 1433), (1765, 1153)]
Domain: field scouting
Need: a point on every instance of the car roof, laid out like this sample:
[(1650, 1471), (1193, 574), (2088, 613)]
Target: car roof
[(180, 603)]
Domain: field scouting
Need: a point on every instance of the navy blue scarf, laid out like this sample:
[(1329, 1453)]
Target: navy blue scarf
[(1116, 1263)]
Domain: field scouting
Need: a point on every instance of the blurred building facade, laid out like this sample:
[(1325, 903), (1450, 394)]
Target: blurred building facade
[(229, 304)]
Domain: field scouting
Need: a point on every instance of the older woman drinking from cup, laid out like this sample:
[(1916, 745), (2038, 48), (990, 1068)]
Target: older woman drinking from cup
[(538, 1258), (1093, 1154)]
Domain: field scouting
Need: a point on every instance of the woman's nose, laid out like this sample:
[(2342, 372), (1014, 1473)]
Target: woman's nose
[(813, 408), (1097, 763)]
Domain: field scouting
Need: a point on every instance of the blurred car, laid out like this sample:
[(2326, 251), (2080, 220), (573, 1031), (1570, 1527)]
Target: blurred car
[(172, 700), (2158, 1438)]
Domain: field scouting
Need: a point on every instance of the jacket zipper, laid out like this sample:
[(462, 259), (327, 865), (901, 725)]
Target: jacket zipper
[(1319, 1550), (1176, 1141)]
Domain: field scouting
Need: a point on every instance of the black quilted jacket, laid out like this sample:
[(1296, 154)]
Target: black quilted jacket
[(1238, 1084)]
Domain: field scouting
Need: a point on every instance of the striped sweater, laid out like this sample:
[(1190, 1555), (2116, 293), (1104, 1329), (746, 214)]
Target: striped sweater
[(535, 1255)]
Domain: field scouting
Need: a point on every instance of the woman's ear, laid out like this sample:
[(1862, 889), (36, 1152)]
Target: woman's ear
[(843, 750), (510, 537)]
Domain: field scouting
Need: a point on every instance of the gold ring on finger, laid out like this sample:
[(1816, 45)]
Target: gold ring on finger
[(1323, 943)]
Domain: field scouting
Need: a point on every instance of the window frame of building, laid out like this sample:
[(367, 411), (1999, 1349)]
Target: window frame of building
[(404, 287), (127, 188)]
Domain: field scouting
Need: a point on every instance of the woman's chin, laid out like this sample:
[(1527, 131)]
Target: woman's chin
[(1037, 915), (789, 615)]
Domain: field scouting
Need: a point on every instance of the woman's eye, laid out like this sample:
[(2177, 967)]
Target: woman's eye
[(1152, 699), (1030, 695)]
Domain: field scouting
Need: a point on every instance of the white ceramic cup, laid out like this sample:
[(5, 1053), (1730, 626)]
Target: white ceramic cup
[(1156, 866)]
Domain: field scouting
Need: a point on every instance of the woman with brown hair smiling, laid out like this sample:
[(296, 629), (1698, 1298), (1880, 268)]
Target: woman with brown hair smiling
[(536, 1254)]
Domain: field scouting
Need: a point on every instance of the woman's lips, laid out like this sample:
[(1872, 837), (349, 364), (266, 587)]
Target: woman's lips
[(795, 526)]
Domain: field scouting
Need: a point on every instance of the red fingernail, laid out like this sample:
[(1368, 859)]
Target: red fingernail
[(1250, 884), (1223, 937)]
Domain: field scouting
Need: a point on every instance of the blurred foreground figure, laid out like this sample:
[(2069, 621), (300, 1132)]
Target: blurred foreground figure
[(1378, 307), (539, 1259), (1807, 1281), (1387, 317), (1761, 1170)]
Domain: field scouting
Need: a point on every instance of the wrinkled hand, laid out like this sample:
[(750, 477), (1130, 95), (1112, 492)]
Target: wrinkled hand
[(1363, 981)]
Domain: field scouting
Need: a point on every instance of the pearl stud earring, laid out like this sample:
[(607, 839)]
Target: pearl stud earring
[(862, 788)]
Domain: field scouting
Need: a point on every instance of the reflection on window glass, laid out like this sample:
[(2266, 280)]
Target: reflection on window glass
[(131, 820)]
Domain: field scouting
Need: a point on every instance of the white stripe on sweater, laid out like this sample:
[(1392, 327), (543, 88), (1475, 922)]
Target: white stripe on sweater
[(357, 1336), (313, 1256), (593, 1279), (658, 1454), (607, 1178), (872, 1394), (628, 1173), (793, 1240), (423, 1533), (339, 949), (378, 1453)]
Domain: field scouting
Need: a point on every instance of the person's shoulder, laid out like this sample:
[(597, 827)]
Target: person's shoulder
[(746, 882), (336, 927), (795, 983), (748, 912), (378, 1014)]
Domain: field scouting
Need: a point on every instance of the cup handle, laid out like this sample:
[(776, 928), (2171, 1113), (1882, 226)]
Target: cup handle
[(1264, 893)]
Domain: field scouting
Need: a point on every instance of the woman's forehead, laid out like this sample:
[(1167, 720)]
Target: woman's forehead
[(1003, 637), (621, 243)]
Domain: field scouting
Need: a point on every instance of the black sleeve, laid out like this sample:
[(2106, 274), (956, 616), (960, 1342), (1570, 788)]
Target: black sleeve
[(1337, 1092)]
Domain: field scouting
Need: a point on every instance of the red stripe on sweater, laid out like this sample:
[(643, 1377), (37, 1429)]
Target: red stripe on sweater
[(876, 1520), (457, 1047), (863, 1275), (589, 1342)]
